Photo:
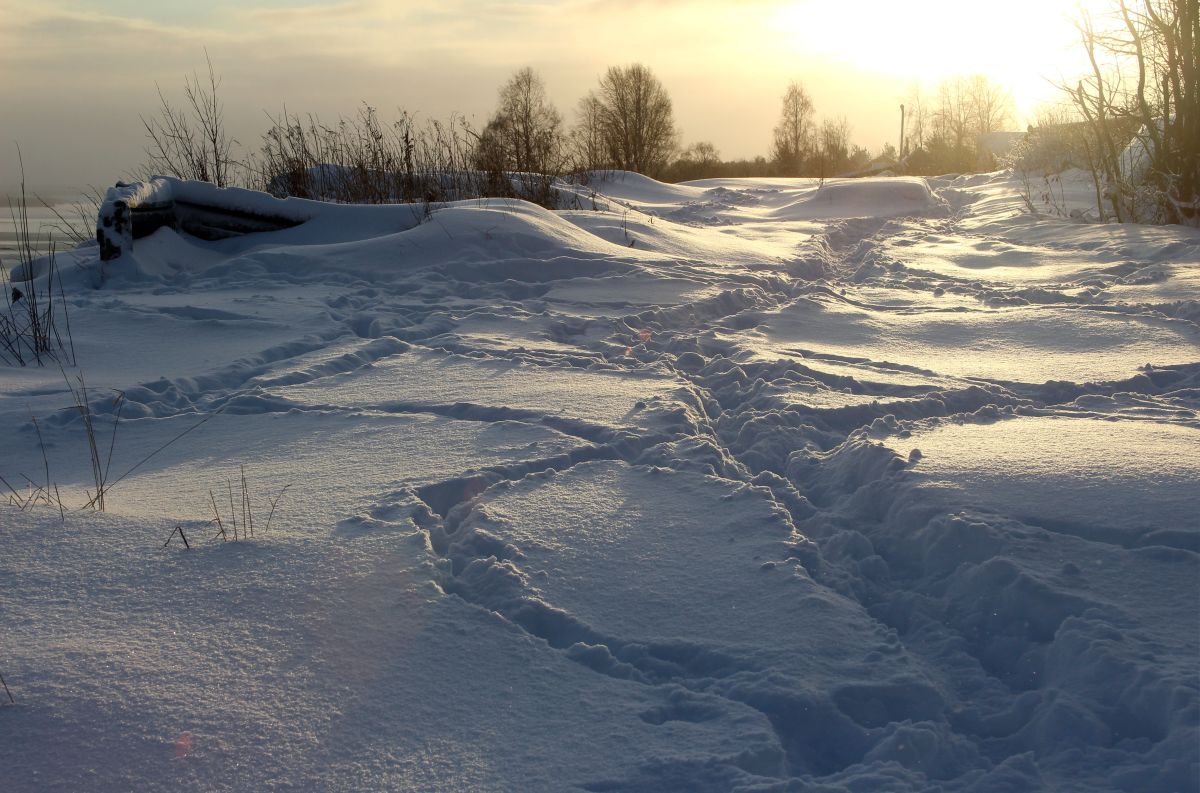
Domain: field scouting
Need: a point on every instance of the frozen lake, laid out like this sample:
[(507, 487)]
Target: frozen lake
[(42, 219)]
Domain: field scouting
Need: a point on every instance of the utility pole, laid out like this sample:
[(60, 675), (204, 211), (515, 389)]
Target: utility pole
[(902, 132)]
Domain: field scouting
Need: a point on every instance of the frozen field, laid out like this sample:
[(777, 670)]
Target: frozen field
[(741, 485)]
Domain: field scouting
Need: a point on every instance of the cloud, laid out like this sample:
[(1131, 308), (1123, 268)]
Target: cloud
[(88, 68), (62, 27), (326, 57)]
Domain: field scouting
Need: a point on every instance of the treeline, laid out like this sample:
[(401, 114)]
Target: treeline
[(1143, 87), (951, 132), (948, 135), (626, 123)]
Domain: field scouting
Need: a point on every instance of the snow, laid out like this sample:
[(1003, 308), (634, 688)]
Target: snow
[(880, 197), (1006, 345), (1058, 470), (758, 485)]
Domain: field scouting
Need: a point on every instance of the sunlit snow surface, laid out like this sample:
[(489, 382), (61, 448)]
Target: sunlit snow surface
[(1133, 480), (1021, 344), (753, 484)]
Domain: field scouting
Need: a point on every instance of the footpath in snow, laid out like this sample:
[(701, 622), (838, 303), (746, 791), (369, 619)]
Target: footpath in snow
[(738, 485)]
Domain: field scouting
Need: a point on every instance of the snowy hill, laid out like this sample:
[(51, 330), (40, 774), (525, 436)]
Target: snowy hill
[(754, 485)]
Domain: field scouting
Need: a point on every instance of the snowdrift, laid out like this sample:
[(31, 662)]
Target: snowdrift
[(199, 209), (634, 187), (744, 485), (858, 198)]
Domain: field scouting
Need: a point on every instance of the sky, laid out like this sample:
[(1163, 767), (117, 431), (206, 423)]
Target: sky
[(76, 74)]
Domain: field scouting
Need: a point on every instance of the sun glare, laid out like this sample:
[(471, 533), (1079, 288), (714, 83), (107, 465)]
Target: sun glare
[(1025, 45)]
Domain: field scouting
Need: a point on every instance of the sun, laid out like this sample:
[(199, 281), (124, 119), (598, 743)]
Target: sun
[(1025, 45)]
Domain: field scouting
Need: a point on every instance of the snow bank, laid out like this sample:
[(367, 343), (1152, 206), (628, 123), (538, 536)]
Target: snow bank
[(636, 188), (202, 210), (854, 198), (752, 485)]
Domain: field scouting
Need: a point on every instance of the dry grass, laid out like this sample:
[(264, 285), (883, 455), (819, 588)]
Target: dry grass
[(29, 322), (362, 160), (101, 462), (229, 529)]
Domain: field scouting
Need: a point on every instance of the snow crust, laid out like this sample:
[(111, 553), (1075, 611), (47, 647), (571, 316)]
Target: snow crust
[(738, 485)]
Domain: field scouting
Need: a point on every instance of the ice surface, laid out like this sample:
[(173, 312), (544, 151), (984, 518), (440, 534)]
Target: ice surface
[(743, 484)]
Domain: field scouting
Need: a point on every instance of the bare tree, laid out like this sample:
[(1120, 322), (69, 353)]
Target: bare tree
[(700, 160), (833, 150), (990, 105), (190, 142), (587, 138), (703, 153), (793, 138), (916, 122), (1166, 36), (525, 134), (1097, 100), (953, 121), (1159, 178), (945, 137), (637, 119)]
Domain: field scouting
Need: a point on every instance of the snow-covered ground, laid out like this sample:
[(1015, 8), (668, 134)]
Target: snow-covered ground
[(754, 485)]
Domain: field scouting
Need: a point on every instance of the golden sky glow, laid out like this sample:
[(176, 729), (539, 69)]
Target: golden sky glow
[(1020, 44), (80, 72)]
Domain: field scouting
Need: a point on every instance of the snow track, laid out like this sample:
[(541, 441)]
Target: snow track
[(742, 485)]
